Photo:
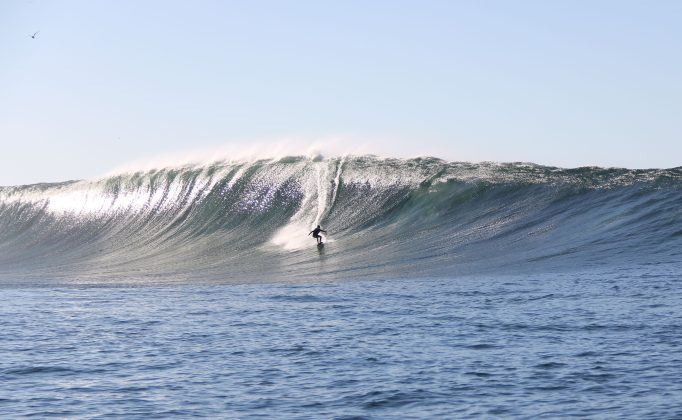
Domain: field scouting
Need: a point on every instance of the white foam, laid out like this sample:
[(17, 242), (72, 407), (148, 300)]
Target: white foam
[(293, 236)]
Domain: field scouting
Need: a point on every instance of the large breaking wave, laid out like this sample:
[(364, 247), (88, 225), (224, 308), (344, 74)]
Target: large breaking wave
[(248, 221)]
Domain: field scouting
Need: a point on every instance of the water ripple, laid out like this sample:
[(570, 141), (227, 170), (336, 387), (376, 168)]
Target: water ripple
[(562, 345)]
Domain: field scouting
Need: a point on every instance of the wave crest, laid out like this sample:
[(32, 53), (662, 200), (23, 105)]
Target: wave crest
[(248, 220)]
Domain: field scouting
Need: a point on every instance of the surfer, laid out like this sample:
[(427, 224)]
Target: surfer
[(316, 233)]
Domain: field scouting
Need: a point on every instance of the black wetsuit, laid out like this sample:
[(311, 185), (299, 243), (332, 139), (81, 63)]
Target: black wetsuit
[(316, 234)]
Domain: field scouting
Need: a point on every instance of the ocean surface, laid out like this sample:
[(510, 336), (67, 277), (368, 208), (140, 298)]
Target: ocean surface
[(444, 290)]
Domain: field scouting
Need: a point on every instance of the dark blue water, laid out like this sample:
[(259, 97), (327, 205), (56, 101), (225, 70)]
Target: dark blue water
[(600, 343)]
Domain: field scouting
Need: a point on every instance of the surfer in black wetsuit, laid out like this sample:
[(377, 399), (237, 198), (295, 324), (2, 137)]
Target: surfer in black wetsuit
[(316, 233)]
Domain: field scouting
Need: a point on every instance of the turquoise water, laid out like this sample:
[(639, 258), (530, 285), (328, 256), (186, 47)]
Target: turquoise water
[(603, 344)]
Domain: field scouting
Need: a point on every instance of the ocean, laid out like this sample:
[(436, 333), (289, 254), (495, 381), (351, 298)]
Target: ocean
[(444, 290)]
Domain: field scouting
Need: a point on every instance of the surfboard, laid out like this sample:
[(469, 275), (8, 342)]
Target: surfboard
[(320, 245)]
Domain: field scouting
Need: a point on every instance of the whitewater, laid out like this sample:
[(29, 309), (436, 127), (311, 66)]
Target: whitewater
[(444, 290)]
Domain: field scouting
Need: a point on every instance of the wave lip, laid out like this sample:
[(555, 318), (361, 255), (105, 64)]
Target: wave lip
[(248, 220)]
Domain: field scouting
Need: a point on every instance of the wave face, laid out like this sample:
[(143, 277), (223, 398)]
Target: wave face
[(386, 218)]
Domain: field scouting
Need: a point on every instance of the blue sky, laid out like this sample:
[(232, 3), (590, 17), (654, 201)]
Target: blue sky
[(565, 83)]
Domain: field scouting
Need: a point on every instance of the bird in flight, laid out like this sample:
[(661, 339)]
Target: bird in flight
[(34, 35)]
